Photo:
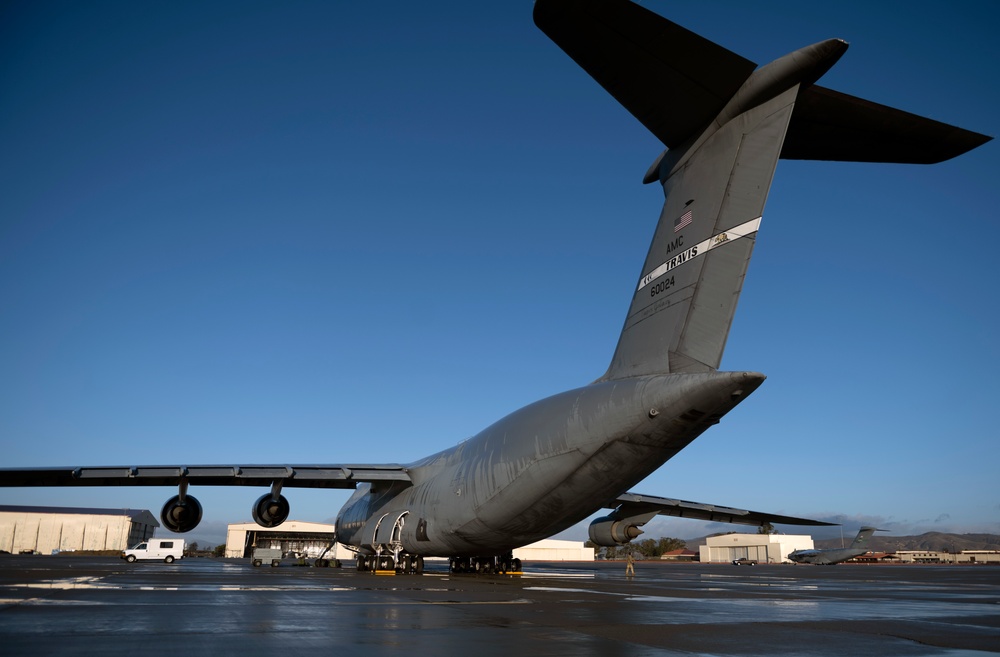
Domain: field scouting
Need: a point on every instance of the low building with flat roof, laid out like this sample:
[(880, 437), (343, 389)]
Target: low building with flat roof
[(682, 554), (551, 549), (50, 529), (935, 556)]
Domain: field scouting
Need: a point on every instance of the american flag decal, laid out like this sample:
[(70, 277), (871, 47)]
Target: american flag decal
[(682, 221)]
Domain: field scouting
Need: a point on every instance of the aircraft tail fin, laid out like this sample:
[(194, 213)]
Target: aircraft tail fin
[(726, 123), (685, 299), (715, 178), (861, 540)]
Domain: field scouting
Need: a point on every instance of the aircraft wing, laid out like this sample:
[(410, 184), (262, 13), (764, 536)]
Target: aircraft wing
[(291, 476), (632, 504)]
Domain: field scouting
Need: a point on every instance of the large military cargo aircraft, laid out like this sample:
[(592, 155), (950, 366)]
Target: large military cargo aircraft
[(831, 556), (725, 123)]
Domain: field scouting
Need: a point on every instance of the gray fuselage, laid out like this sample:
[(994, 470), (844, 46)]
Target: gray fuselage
[(544, 467)]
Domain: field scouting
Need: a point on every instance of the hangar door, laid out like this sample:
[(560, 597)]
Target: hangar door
[(308, 544)]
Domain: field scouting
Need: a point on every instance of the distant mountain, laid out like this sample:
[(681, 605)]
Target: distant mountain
[(931, 541)]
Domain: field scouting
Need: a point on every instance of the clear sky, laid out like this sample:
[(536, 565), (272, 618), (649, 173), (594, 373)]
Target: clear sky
[(331, 232)]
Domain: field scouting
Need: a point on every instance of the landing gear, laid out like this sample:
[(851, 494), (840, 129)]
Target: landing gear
[(510, 565), (411, 565), (403, 564), (502, 565), (375, 563)]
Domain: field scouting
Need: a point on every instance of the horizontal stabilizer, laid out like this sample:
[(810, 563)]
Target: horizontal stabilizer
[(632, 504), (671, 79), (676, 82), (829, 125)]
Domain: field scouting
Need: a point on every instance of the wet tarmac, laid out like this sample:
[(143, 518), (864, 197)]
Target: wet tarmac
[(86, 606)]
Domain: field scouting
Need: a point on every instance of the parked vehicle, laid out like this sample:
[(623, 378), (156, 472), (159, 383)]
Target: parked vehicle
[(743, 561), (154, 549), (260, 555)]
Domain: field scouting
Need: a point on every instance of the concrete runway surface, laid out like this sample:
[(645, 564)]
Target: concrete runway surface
[(63, 605)]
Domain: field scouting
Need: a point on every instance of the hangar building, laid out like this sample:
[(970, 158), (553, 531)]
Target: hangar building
[(553, 550), (763, 548), (309, 539), (47, 529)]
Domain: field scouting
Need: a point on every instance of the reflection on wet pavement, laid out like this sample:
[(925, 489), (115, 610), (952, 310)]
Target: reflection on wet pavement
[(76, 605)]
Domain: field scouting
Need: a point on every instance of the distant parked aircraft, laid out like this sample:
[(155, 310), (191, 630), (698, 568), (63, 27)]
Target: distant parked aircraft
[(836, 555)]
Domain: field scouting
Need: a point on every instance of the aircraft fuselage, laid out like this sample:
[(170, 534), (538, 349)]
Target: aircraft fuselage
[(825, 557), (538, 470)]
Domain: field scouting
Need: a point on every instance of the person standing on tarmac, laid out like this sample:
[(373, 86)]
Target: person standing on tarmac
[(629, 565)]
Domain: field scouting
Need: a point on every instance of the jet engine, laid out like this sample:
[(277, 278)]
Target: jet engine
[(270, 510), (181, 514), (609, 531)]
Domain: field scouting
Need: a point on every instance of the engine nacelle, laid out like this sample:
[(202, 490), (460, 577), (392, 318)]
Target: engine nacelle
[(180, 517), (270, 510), (609, 531)]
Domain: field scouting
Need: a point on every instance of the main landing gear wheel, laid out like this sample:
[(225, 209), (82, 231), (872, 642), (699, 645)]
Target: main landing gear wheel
[(411, 564), (485, 565)]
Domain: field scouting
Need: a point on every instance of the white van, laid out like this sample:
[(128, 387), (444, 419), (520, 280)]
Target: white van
[(167, 549)]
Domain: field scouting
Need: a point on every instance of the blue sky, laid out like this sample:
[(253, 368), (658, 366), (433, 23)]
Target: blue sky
[(301, 232)]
